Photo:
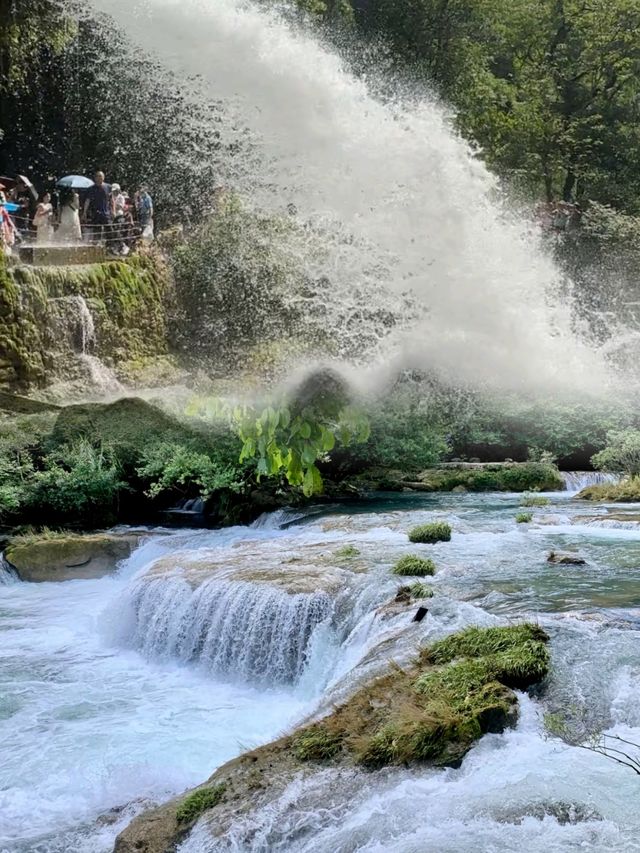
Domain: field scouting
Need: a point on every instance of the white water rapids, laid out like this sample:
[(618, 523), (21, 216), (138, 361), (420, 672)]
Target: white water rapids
[(396, 200), (111, 697)]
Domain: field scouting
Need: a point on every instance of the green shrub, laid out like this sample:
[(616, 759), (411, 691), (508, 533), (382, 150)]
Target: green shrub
[(198, 802), (79, 483), (524, 517), (175, 467), (435, 531), (628, 491), (622, 453), (414, 566), (534, 500)]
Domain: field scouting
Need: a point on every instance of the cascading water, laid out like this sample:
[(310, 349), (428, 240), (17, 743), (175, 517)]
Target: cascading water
[(93, 729), (236, 629), (575, 481), (394, 198)]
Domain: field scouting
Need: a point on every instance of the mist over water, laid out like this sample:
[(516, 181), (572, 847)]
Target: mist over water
[(398, 199)]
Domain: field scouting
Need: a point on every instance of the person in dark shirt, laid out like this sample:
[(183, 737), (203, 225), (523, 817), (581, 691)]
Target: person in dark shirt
[(99, 209)]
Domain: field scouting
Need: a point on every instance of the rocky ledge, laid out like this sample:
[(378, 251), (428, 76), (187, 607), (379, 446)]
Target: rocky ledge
[(431, 711)]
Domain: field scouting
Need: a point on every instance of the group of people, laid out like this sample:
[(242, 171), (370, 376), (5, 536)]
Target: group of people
[(103, 213)]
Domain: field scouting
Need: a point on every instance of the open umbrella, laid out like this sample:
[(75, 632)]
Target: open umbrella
[(75, 182), (23, 179)]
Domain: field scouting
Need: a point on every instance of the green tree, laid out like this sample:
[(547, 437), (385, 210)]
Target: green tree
[(622, 454)]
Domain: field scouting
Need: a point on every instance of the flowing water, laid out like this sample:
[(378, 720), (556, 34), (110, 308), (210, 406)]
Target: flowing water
[(123, 690), (389, 197)]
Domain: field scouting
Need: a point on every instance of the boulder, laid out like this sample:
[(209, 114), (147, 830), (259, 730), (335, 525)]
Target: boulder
[(565, 559), (69, 556)]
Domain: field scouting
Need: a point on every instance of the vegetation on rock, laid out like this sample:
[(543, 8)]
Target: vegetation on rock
[(429, 534), (198, 802), (459, 688), (517, 477), (534, 500), (628, 491), (410, 564), (524, 517)]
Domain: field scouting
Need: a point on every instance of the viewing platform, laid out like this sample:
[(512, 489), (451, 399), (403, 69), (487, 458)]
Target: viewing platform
[(61, 255)]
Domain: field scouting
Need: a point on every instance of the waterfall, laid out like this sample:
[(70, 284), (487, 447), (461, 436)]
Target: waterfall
[(575, 481), (251, 630), (8, 574)]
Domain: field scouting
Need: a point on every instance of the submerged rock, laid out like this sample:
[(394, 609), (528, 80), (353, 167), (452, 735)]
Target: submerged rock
[(432, 711), (68, 556), (566, 559)]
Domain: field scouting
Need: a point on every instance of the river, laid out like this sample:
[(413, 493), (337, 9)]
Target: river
[(96, 721)]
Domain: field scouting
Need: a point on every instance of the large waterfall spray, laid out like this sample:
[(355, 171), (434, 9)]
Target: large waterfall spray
[(398, 197)]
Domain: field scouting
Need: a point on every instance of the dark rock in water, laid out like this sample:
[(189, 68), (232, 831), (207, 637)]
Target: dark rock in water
[(68, 557), (421, 612), (562, 558)]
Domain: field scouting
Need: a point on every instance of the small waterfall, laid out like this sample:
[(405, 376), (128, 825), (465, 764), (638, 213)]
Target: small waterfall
[(8, 574), (279, 519), (101, 377), (74, 321), (575, 481), (252, 630)]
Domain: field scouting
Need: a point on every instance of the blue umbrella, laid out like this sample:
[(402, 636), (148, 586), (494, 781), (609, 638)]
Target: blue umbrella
[(75, 182)]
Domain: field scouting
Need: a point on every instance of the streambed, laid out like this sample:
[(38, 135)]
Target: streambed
[(107, 704)]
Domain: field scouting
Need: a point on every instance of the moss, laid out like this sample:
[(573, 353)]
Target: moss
[(497, 477), (198, 802), (128, 302), (628, 491), (436, 531), (317, 744), (346, 552), (415, 566), (534, 500), (458, 689), (524, 517)]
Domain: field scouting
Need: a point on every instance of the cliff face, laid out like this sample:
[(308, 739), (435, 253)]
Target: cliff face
[(50, 316)]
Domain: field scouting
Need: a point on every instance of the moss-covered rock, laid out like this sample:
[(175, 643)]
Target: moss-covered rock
[(127, 301), (490, 477), (66, 556), (628, 491), (432, 711)]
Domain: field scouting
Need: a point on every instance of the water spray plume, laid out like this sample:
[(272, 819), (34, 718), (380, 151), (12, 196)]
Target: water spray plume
[(401, 200)]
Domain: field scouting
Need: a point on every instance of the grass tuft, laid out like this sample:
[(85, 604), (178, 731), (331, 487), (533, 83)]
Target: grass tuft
[(534, 500), (317, 744), (347, 552), (524, 517), (420, 590), (198, 802), (429, 534), (414, 566)]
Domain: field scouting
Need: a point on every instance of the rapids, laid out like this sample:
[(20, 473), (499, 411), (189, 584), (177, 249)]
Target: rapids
[(105, 705)]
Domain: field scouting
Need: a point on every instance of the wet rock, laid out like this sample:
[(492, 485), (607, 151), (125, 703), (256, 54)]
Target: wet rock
[(564, 813), (565, 559), (68, 556)]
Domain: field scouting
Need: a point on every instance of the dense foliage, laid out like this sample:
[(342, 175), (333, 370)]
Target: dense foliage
[(622, 453)]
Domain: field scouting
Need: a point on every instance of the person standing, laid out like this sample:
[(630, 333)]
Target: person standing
[(42, 220), (69, 230), (144, 210), (98, 208)]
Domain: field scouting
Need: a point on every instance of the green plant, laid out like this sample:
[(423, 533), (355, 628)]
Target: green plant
[(317, 744), (420, 590), (534, 500), (414, 566), (524, 517), (198, 802), (622, 453), (169, 466), (79, 483), (435, 531), (347, 552)]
